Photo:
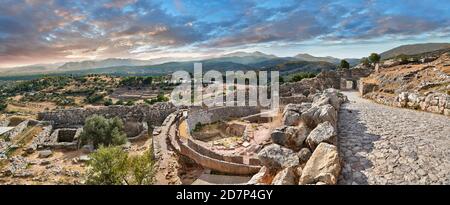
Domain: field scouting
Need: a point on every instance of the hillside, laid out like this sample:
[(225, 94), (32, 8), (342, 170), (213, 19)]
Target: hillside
[(414, 49), (416, 85)]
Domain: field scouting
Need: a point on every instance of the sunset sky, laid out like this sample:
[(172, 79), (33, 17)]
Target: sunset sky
[(49, 31)]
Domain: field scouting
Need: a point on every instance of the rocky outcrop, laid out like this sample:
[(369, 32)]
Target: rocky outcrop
[(323, 166)]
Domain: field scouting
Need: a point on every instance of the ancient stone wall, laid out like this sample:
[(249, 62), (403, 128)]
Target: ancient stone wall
[(432, 102), (305, 87), (152, 114), (211, 115)]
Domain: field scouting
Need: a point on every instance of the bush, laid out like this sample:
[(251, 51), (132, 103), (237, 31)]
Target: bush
[(302, 75), (108, 166), (95, 98), (112, 166), (3, 106), (98, 130), (108, 102), (142, 168), (345, 64), (374, 58), (159, 98), (120, 102)]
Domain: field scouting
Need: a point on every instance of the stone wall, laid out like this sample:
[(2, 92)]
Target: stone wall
[(152, 114), (211, 115), (305, 87), (438, 103)]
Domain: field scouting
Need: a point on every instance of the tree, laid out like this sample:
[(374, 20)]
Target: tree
[(365, 61), (98, 130), (374, 58), (113, 166), (345, 64), (108, 166)]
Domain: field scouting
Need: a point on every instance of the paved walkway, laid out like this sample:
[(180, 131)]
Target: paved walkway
[(387, 145)]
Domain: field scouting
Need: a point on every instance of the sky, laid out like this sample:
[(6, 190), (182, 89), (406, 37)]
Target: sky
[(50, 31)]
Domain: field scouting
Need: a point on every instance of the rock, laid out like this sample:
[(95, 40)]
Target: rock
[(45, 153), (44, 162), (260, 177), (323, 166), (84, 158), (276, 157), (290, 118), (324, 132), (317, 115), (291, 137), (286, 176), (303, 155), (87, 149)]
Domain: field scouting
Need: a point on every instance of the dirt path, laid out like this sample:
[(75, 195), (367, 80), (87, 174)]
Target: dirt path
[(387, 145)]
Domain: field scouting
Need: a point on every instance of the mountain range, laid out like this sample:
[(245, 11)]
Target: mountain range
[(231, 61)]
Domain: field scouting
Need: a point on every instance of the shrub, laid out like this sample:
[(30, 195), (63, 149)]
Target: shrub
[(159, 98), (108, 166), (3, 105), (345, 64), (98, 130), (374, 58), (142, 168), (120, 102), (365, 62), (108, 102), (94, 98), (302, 75), (113, 166)]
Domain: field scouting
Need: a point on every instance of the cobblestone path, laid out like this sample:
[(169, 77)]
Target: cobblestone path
[(387, 145)]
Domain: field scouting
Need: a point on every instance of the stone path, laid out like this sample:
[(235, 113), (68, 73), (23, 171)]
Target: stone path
[(387, 145)]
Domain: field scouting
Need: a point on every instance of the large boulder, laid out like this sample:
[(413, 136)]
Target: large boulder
[(329, 96), (290, 118), (292, 112), (324, 132), (276, 157), (318, 114), (289, 136), (323, 166), (287, 176)]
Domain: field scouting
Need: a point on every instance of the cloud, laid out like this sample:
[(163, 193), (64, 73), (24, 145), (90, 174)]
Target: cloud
[(57, 30)]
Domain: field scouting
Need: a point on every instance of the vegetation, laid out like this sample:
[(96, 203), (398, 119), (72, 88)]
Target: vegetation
[(345, 64), (3, 105), (113, 166), (101, 131), (374, 58), (365, 61), (137, 81), (159, 98), (302, 75)]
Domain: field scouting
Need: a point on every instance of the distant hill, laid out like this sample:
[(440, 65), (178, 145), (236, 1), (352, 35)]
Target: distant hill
[(308, 57), (414, 49), (329, 59), (231, 61), (111, 62)]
